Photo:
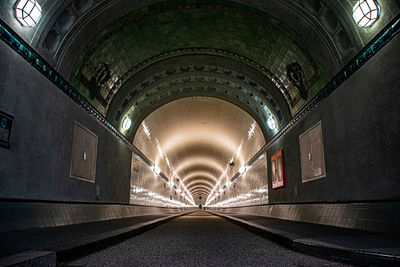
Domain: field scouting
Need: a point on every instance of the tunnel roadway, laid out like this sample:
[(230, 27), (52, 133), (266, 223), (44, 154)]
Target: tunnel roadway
[(199, 239)]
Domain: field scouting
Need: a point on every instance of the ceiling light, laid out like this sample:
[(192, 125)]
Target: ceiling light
[(28, 12), (271, 123), (251, 130), (243, 169), (146, 129), (156, 170), (126, 124), (366, 12)]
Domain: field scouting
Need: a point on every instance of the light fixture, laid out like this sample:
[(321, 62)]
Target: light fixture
[(126, 123), (366, 12), (271, 123), (156, 170), (28, 12), (243, 169)]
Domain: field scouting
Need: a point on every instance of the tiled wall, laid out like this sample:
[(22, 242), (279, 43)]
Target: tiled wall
[(27, 215), (380, 217)]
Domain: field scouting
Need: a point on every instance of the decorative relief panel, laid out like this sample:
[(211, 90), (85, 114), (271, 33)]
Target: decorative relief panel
[(84, 154), (312, 154)]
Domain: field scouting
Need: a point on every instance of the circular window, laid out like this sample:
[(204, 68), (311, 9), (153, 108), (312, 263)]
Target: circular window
[(366, 12), (271, 123), (28, 12), (126, 124)]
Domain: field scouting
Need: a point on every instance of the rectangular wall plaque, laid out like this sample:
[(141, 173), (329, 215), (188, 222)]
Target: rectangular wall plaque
[(312, 154), (277, 170), (84, 154), (6, 125)]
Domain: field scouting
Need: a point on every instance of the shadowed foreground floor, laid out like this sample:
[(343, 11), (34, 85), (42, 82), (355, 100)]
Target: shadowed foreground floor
[(199, 239)]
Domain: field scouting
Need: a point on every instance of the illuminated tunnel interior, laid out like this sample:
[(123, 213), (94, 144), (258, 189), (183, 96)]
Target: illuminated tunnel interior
[(200, 142), (281, 116)]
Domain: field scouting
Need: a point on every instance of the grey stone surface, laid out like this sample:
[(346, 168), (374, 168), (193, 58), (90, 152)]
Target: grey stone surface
[(65, 239), (17, 216), (30, 258), (199, 239), (355, 246), (377, 217)]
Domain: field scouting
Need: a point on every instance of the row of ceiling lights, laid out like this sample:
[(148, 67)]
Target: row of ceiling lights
[(187, 196), (184, 192), (244, 168), (365, 12)]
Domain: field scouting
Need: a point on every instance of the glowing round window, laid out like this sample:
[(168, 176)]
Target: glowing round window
[(271, 123), (126, 124), (366, 12), (156, 170), (28, 12)]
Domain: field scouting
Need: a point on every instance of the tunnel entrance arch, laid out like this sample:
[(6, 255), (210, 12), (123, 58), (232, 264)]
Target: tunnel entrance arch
[(198, 75)]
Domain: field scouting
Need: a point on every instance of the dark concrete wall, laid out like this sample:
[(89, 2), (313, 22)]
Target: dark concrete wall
[(361, 136), (37, 165)]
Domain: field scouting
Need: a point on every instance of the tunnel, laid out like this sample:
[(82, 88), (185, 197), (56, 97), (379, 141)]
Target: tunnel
[(199, 133)]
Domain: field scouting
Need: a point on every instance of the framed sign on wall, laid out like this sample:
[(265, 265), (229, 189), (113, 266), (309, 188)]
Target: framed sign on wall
[(278, 170), (6, 125), (312, 154)]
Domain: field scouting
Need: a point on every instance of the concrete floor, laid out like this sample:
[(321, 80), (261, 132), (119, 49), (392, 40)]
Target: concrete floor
[(199, 239)]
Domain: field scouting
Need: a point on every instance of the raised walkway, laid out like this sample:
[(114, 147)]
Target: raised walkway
[(55, 245), (46, 246), (348, 245)]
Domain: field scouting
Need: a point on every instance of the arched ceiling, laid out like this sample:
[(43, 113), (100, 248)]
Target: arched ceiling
[(152, 36), (101, 45), (197, 76), (125, 54), (194, 139)]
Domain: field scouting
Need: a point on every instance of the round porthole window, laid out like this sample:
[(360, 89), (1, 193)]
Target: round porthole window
[(366, 12), (126, 124), (28, 12), (271, 123)]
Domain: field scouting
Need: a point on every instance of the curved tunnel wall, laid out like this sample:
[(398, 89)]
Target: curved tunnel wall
[(38, 164), (361, 146), (359, 133)]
